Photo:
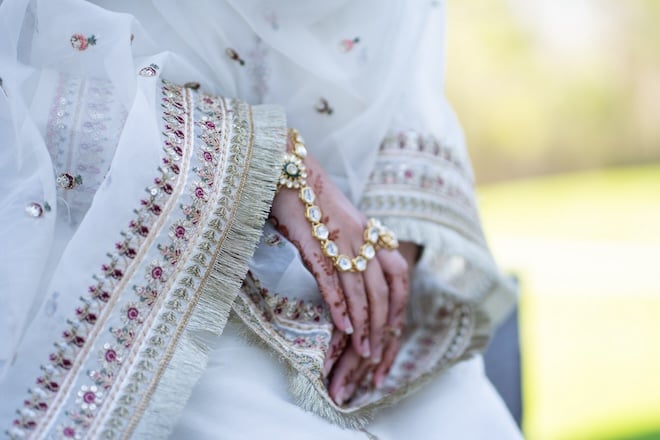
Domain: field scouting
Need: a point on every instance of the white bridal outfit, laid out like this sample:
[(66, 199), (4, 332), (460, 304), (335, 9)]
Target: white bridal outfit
[(143, 295)]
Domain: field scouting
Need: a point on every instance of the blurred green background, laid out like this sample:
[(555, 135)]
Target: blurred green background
[(560, 102)]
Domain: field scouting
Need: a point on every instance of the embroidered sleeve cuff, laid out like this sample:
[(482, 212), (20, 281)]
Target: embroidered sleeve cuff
[(423, 191)]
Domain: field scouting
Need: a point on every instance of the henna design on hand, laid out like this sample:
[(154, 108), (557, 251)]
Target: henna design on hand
[(325, 263), (317, 184)]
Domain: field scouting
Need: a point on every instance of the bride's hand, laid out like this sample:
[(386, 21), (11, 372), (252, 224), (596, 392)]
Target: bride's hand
[(360, 303), (348, 370)]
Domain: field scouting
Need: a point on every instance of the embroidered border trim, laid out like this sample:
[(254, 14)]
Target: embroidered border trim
[(257, 141), (46, 399), (126, 329), (132, 387), (421, 177), (454, 332)]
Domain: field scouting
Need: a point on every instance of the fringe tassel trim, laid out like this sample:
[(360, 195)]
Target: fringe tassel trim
[(189, 359)]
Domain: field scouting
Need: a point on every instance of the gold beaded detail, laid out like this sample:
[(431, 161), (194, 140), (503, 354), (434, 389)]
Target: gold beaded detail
[(376, 235)]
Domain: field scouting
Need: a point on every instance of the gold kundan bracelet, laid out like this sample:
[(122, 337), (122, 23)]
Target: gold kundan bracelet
[(376, 235)]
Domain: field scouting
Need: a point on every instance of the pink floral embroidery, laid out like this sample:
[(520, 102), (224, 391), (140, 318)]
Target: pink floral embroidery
[(179, 231), (132, 313), (157, 272), (278, 310), (124, 248), (89, 397), (348, 44), (110, 355), (232, 54), (80, 42), (69, 432), (75, 337)]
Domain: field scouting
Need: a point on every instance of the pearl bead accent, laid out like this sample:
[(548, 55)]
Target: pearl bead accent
[(294, 174)]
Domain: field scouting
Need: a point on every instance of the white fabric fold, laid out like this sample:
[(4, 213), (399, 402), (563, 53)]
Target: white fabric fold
[(346, 73)]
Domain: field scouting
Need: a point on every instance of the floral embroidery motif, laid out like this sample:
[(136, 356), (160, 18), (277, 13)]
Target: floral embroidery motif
[(418, 176), (324, 107), (232, 54), (300, 332), (84, 124), (303, 324), (411, 142), (68, 180), (150, 70), (34, 209), (81, 42), (347, 44), (89, 397), (69, 431), (451, 318)]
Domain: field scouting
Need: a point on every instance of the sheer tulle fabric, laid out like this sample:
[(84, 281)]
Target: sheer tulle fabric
[(298, 57), (345, 72)]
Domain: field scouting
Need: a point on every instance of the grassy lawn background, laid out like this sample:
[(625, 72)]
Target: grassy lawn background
[(587, 250)]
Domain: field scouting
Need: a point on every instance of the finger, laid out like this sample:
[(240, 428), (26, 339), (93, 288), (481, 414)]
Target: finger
[(332, 292), (335, 350), (396, 273), (395, 270), (378, 298), (352, 284), (345, 368), (410, 251), (345, 230), (357, 378), (383, 369), (329, 286)]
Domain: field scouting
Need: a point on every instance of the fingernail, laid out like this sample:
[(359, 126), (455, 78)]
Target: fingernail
[(378, 354), (339, 400), (326, 369), (380, 380), (366, 348), (349, 391), (348, 326)]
